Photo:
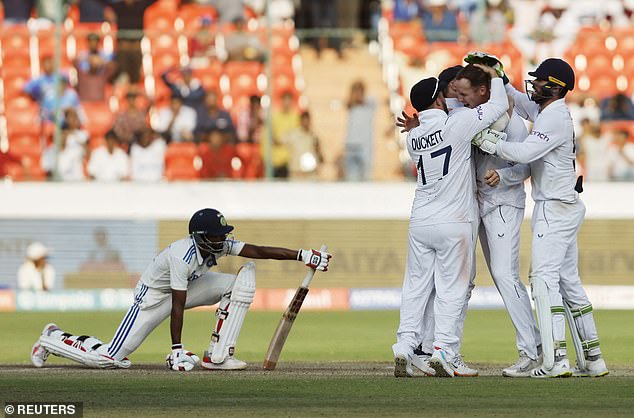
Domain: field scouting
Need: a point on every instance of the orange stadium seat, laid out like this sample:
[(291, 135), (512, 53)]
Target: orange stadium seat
[(159, 19), (209, 78), (603, 83), (164, 60), (17, 61), (15, 40), (251, 159), (180, 161), (14, 79), (243, 78), (20, 102), (283, 81), (192, 14), (99, 118), (23, 121), (30, 169), (24, 143), (47, 42)]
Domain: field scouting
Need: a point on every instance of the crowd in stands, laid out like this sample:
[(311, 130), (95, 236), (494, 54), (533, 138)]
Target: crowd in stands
[(597, 38), (151, 89), (175, 89)]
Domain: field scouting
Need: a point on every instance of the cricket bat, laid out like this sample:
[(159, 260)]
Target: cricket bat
[(288, 318)]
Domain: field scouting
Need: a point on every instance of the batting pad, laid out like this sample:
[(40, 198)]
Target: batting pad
[(73, 348), (576, 337), (539, 292), (230, 321)]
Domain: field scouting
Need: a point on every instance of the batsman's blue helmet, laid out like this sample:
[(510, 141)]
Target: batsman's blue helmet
[(209, 222)]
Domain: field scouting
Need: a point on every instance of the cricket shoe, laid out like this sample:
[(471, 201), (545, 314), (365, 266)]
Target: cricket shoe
[(230, 363), (39, 354), (560, 369), (522, 367), (421, 362), (461, 369), (403, 366), (594, 368), (440, 363)]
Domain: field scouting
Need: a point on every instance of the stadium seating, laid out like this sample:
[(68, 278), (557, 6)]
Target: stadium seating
[(182, 161)]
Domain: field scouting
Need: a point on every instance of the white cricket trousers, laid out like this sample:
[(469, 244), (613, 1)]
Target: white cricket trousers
[(554, 259), (152, 306), (500, 241), (440, 257)]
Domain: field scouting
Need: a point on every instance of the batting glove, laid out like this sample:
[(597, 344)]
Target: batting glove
[(487, 140), (314, 259), (181, 360), (490, 60)]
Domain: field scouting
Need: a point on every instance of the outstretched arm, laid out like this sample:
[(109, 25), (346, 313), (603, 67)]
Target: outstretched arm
[(312, 258), (272, 253)]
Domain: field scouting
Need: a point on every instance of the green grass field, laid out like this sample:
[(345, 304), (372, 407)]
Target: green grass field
[(334, 364)]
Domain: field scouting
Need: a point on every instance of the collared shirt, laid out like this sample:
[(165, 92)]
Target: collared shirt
[(549, 148), (181, 263), (510, 190), (441, 149)]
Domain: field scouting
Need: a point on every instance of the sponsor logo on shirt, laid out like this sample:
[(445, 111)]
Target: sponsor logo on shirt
[(540, 135), (480, 112)]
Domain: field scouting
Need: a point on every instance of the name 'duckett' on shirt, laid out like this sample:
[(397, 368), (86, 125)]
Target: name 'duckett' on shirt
[(424, 142)]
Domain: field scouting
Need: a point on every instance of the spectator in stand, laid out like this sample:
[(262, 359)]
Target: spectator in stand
[(147, 157), (280, 158), (188, 88), (129, 15), (242, 45), (217, 155), (94, 48), (109, 162), (439, 23), (583, 107), (488, 24), (406, 10), (285, 119), (360, 134), (214, 118), (621, 157), (36, 273), (176, 122), (92, 81), (131, 120), (202, 45), (229, 10), (618, 107), (44, 91), (250, 121), (593, 149), (305, 155), (17, 11), (67, 162)]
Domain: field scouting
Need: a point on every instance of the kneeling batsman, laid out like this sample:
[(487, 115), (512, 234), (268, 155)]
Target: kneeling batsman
[(179, 278)]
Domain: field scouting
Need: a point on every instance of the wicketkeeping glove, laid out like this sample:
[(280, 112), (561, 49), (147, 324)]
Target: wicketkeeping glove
[(314, 259), (490, 60), (487, 140)]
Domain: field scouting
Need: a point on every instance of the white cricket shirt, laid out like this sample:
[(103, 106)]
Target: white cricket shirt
[(181, 263)]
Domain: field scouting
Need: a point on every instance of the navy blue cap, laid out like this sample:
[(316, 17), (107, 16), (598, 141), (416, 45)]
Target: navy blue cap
[(556, 71), (423, 93)]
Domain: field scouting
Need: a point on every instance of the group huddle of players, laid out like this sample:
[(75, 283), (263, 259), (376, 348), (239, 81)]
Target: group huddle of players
[(473, 153)]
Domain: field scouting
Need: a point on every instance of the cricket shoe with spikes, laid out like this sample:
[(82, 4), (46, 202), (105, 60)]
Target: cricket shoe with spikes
[(461, 369), (39, 354), (421, 362), (561, 368), (403, 366), (522, 367), (594, 368), (439, 361), (230, 363)]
